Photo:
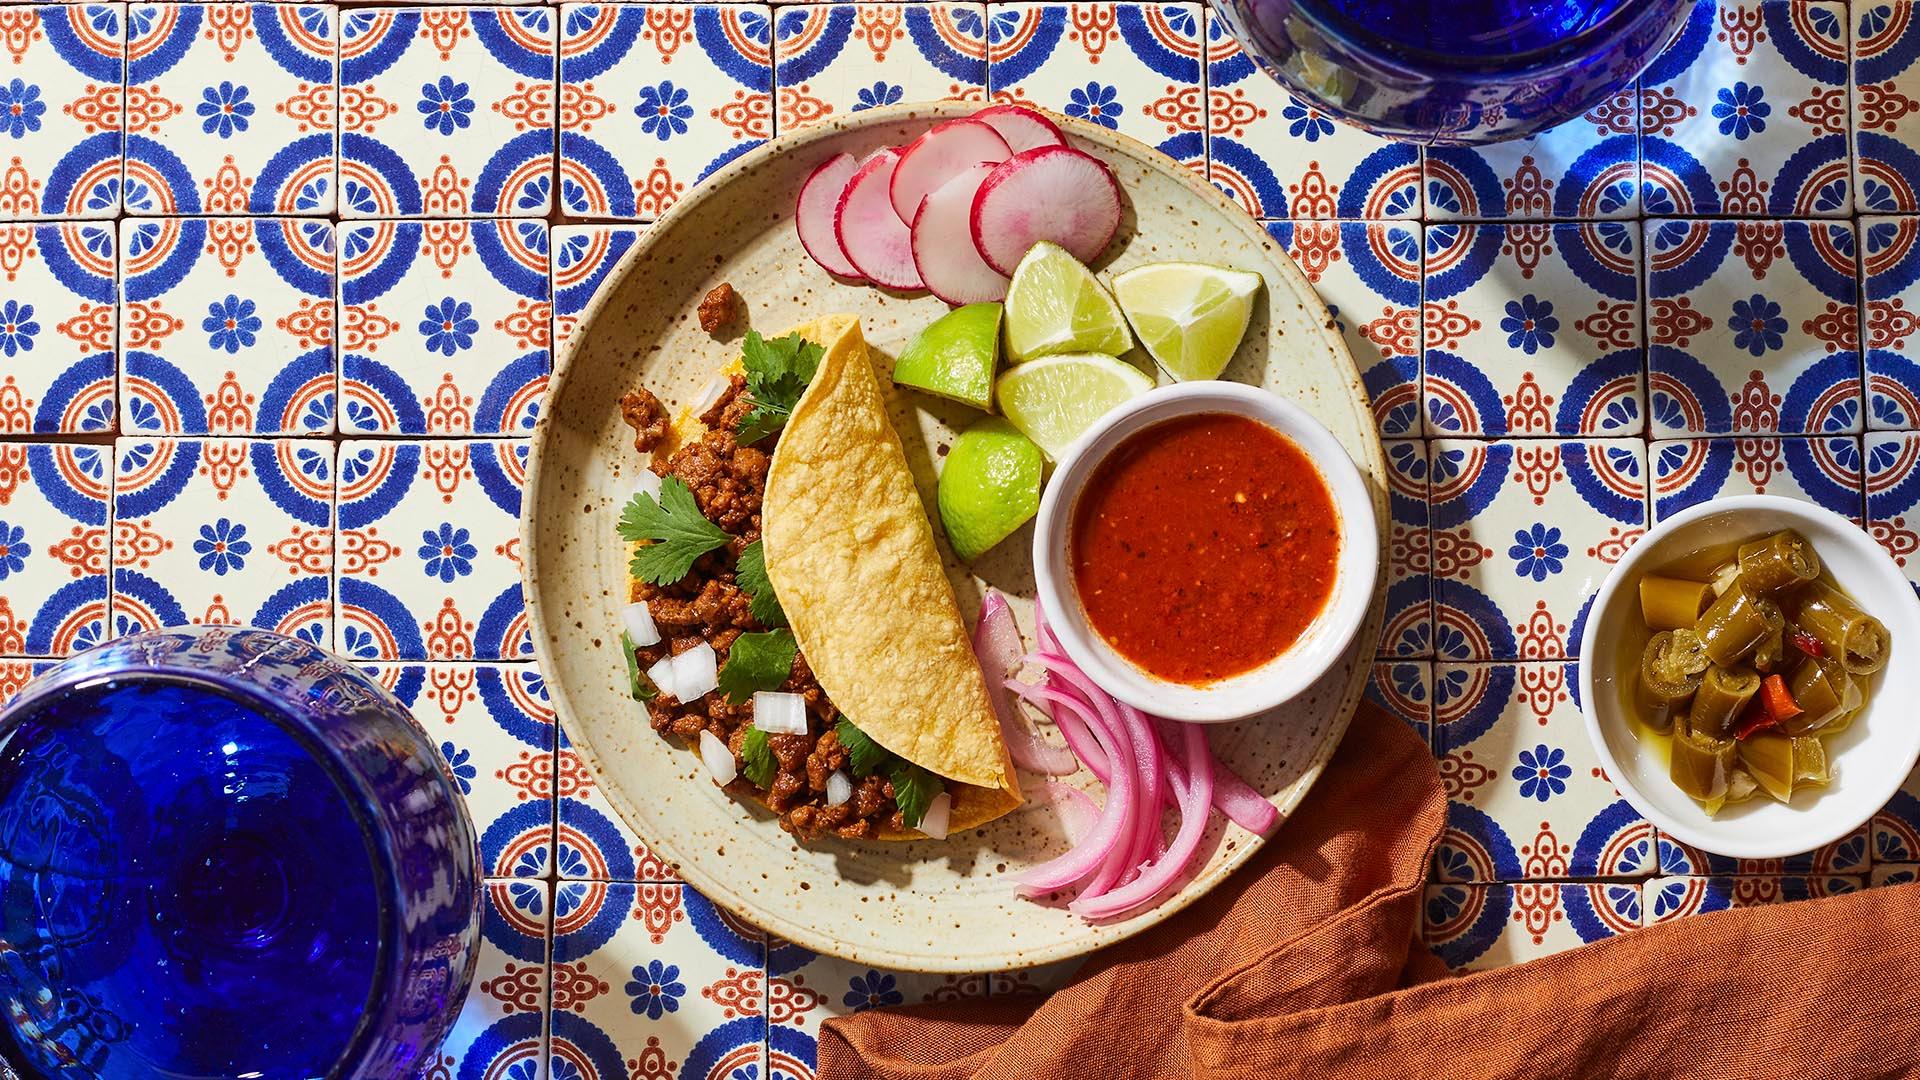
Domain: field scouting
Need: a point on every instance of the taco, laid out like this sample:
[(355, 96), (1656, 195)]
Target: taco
[(785, 564)]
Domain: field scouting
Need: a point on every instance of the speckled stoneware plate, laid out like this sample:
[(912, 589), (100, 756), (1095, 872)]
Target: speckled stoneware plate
[(923, 906)]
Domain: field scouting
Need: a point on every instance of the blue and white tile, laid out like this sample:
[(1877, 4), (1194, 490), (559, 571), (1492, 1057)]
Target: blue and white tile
[(1135, 68), (1886, 94), (1587, 167), (57, 327), (1753, 327), (596, 842), (235, 111), (1523, 533), (1475, 927), (16, 674), (1538, 332), (501, 1027), (1893, 496), (53, 530), (62, 110), (806, 989), (227, 326), (1894, 874), (1669, 898), (224, 531), (1281, 157), (835, 59), (447, 111), (583, 257), (1408, 630), (1825, 471), (1405, 689), (1890, 276), (658, 97), (658, 976), (1754, 122), (1850, 854), (429, 550), (445, 326)]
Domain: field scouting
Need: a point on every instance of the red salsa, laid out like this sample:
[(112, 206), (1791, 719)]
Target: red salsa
[(1203, 547)]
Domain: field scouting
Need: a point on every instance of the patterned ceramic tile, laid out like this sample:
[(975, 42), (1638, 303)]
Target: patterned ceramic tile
[(583, 256), (830, 60), (804, 989), (1405, 689), (429, 551), (1535, 332), (596, 842), (1523, 533), (657, 976), (15, 674), (1752, 326), (1893, 497), (1527, 799), (224, 531), (1131, 67), (227, 326), (1886, 93), (1280, 157), (657, 96), (1848, 855), (446, 112), (1890, 272), (53, 529), (1894, 832), (1408, 631), (1669, 898), (1585, 168), (500, 1031), (62, 110), (235, 109), (57, 327), (1476, 927), (1894, 874), (1747, 116), (1368, 274), (444, 326), (1824, 471)]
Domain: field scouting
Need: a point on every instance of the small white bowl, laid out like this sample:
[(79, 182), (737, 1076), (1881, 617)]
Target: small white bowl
[(1870, 759), (1271, 684)]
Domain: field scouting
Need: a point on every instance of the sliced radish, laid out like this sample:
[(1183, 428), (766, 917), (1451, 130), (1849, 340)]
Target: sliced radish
[(813, 215), (1052, 193), (943, 248), (938, 156), (874, 238), (1023, 128)]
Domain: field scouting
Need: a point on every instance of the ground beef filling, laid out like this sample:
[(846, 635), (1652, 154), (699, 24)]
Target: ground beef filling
[(728, 482)]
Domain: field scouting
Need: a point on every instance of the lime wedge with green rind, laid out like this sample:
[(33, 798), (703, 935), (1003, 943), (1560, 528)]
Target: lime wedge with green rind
[(955, 356), (1190, 316), (1055, 306), (1055, 398)]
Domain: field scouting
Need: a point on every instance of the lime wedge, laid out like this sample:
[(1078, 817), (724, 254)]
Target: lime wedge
[(989, 486), (1190, 316), (955, 355), (1055, 306), (1055, 398)]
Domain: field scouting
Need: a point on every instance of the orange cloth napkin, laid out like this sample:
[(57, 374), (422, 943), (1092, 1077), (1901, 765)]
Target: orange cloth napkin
[(1305, 963)]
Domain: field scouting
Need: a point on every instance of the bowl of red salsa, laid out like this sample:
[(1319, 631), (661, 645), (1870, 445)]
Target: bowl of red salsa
[(1210, 549)]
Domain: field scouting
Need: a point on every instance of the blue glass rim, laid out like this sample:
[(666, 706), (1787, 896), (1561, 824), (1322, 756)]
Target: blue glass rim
[(358, 796), (1356, 36)]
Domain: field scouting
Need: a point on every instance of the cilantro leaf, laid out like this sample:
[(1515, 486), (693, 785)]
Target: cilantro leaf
[(638, 685), (673, 531), (778, 372), (757, 662), (758, 757), (913, 789), (751, 572), (866, 756)]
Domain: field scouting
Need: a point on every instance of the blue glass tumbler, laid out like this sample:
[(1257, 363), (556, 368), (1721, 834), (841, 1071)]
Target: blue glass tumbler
[(1454, 72), (227, 853)]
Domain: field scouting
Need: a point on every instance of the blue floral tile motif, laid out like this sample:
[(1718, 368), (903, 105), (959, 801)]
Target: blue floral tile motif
[(1890, 271), (1403, 689), (1824, 470), (57, 328), (53, 549), (62, 112), (840, 58), (582, 257), (1893, 497), (1885, 83), (1587, 167), (1408, 630), (1368, 275), (656, 989), (447, 111), (237, 117), (1669, 898)]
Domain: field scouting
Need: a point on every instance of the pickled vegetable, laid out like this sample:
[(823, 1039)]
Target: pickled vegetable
[(1824, 692), (1858, 640), (1771, 652), (1673, 603), (1769, 758), (1779, 562), (1670, 671), (1810, 760), (1723, 693), (1736, 623), (1701, 764)]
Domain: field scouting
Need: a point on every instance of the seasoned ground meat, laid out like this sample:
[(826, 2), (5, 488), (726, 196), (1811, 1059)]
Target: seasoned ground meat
[(729, 482), (718, 307)]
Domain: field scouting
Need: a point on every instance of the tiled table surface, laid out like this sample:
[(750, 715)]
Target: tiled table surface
[(282, 284)]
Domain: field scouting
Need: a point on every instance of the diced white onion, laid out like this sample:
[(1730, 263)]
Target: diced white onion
[(647, 483), (839, 788), (639, 621), (661, 675), (718, 758), (695, 672), (779, 714), (710, 396), (934, 823)]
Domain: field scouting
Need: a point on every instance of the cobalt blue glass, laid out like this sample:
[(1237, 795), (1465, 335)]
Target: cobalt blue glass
[(227, 853), (1454, 72)]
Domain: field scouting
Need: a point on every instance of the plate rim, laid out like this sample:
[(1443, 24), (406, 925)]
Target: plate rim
[(1100, 935)]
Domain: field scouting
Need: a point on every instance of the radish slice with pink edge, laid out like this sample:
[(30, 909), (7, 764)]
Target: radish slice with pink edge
[(943, 248), (1052, 193), (813, 215), (876, 241), (1023, 128), (938, 156)]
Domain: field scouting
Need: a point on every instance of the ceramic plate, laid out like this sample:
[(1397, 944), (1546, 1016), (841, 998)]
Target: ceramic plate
[(922, 906)]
